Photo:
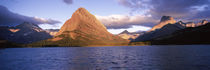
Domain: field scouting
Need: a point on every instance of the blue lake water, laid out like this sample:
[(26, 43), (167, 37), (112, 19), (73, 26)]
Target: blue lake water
[(181, 57)]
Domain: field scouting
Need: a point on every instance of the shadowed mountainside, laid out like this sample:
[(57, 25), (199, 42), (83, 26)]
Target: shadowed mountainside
[(165, 27), (23, 33), (196, 35), (176, 33)]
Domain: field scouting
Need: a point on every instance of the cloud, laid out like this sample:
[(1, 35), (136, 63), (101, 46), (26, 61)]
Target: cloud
[(68, 1), (46, 21), (204, 13), (8, 18), (124, 21), (175, 8)]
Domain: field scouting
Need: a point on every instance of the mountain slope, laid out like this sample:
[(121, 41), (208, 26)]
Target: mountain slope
[(164, 31)]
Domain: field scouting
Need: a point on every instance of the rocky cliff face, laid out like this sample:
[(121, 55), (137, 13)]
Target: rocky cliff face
[(83, 29), (82, 20), (164, 21)]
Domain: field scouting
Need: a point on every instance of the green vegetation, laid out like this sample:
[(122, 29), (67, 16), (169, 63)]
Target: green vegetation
[(81, 40), (7, 44), (139, 43)]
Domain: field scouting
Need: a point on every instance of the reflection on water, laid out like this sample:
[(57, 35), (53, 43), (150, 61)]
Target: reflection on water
[(188, 57)]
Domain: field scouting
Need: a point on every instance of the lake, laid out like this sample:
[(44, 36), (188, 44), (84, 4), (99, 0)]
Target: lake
[(177, 57)]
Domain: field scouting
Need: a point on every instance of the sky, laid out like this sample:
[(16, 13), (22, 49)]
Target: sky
[(116, 15)]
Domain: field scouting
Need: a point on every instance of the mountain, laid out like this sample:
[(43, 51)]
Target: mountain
[(191, 35), (164, 21), (192, 24), (23, 33), (165, 30), (129, 35), (203, 22), (189, 24), (178, 33), (83, 29), (52, 32), (125, 32)]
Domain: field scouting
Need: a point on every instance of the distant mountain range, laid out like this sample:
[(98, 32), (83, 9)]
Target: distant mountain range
[(165, 32), (130, 35), (23, 33), (191, 35)]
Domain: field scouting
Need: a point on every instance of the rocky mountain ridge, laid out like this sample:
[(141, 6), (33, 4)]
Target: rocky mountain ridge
[(83, 29), (168, 29), (164, 21)]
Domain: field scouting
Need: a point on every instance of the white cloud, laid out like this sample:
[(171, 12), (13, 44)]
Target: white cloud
[(126, 21), (8, 18), (175, 8), (46, 21), (132, 29), (118, 23)]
